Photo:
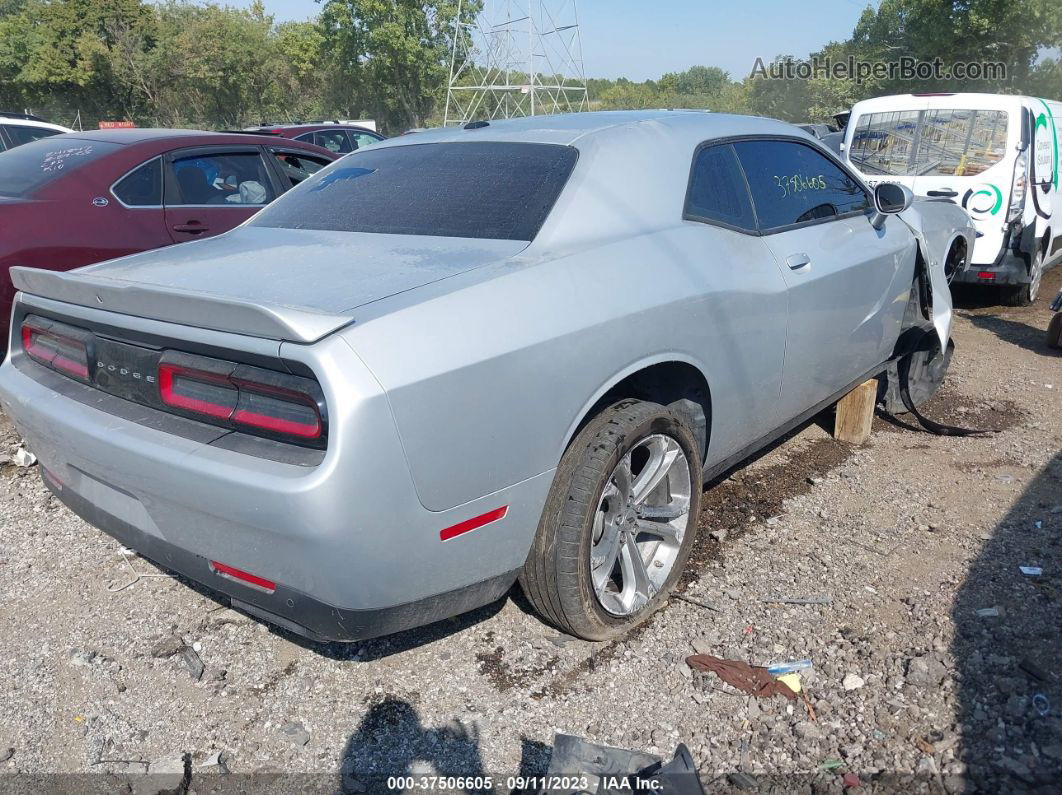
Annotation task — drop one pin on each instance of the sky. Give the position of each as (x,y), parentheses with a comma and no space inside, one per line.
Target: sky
(642,40)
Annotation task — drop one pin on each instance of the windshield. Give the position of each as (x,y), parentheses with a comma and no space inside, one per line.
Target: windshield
(918,143)
(27,168)
(484,189)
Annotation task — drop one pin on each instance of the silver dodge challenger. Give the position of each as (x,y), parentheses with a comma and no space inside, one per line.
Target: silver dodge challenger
(510,351)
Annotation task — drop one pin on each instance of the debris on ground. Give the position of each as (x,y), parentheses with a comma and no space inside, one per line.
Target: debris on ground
(776,669)
(193,662)
(295,733)
(751,679)
(24,458)
(852,682)
(903,617)
(800,600)
(618,771)
(167,647)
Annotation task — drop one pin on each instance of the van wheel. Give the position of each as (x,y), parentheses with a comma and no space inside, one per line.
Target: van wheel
(1025,294)
(618,524)
(1054,331)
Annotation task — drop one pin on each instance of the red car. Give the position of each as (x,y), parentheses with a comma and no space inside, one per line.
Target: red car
(333,136)
(74,199)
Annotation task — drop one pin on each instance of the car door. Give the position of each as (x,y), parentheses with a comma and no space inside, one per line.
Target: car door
(210,190)
(845,279)
(743,315)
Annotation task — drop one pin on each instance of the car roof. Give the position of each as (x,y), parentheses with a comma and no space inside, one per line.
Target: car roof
(146,136)
(600,126)
(15,121)
(314,126)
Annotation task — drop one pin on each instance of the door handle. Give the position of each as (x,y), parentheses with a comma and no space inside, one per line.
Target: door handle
(943,193)
(798,262)
(194,228)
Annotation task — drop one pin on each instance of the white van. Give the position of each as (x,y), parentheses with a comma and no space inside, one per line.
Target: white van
(996,155)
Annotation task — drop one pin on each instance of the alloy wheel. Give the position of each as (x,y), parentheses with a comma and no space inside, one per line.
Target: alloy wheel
(641,519)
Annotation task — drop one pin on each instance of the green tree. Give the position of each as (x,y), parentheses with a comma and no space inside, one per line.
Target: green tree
(389,58)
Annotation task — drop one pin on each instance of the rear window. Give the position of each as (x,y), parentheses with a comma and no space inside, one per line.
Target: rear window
(484,189)
(917,143)
(25,169)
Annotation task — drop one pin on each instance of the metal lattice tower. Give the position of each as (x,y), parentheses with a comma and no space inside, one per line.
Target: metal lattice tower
(517,58)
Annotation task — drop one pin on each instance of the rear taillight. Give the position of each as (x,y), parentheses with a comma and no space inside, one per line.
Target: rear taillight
(262,401)
(197,391)
(1019,187)
(55,345)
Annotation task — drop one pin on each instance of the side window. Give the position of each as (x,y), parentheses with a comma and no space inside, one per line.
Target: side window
(297,167)
(791,183)
(23,135)
(960,143)
(717,190)
(361,140)
(307,137)
(223,179)
(142,187)
(333,140)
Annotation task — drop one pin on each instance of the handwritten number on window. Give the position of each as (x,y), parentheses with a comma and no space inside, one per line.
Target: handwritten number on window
(798,183)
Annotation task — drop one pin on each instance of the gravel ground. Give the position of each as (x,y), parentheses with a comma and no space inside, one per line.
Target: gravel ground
(912,688)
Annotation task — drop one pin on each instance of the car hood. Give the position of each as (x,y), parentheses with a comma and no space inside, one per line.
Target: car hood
(291,284)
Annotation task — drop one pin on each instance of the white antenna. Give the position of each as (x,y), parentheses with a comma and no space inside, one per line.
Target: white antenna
(517,58)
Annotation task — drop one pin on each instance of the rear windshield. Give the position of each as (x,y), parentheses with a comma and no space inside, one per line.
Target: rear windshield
(27,168)
(484,189)
(919,143)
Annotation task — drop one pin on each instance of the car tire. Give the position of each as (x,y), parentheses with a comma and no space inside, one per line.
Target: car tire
(1054,331)
(599,520)
(1025,294)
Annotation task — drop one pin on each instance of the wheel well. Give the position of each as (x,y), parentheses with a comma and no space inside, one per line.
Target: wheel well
(678,385)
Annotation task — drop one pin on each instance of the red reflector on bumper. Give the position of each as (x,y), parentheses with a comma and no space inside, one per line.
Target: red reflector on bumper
(986,275)
(474,523)
(242,576)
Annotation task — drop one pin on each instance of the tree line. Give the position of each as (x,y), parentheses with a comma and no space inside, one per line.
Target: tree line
(182,64)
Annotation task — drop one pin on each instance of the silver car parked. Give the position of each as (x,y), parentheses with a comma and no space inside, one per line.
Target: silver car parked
(466,357)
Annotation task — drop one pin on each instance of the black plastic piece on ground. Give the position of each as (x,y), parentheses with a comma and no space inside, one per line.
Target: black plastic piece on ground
(604,770)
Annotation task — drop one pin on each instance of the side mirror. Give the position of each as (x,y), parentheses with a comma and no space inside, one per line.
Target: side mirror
(889,199)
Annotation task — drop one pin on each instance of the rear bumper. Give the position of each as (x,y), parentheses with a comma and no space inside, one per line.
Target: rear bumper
(351,547)
(287,607)
(1009,269)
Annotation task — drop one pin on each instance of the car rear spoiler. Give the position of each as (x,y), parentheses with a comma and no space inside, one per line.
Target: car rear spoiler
(201,310)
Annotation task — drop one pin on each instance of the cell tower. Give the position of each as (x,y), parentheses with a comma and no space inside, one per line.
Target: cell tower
(517,58)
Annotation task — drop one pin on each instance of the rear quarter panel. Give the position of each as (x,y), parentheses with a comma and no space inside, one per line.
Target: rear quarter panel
(487,383)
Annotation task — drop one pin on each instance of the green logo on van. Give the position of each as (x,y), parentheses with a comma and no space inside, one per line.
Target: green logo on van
(983,199)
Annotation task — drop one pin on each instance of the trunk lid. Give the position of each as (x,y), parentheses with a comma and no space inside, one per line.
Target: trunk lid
(290,284)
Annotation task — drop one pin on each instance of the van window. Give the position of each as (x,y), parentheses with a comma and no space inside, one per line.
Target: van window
(910,143)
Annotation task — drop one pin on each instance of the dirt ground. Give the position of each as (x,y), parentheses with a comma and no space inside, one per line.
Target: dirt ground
(935,662)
